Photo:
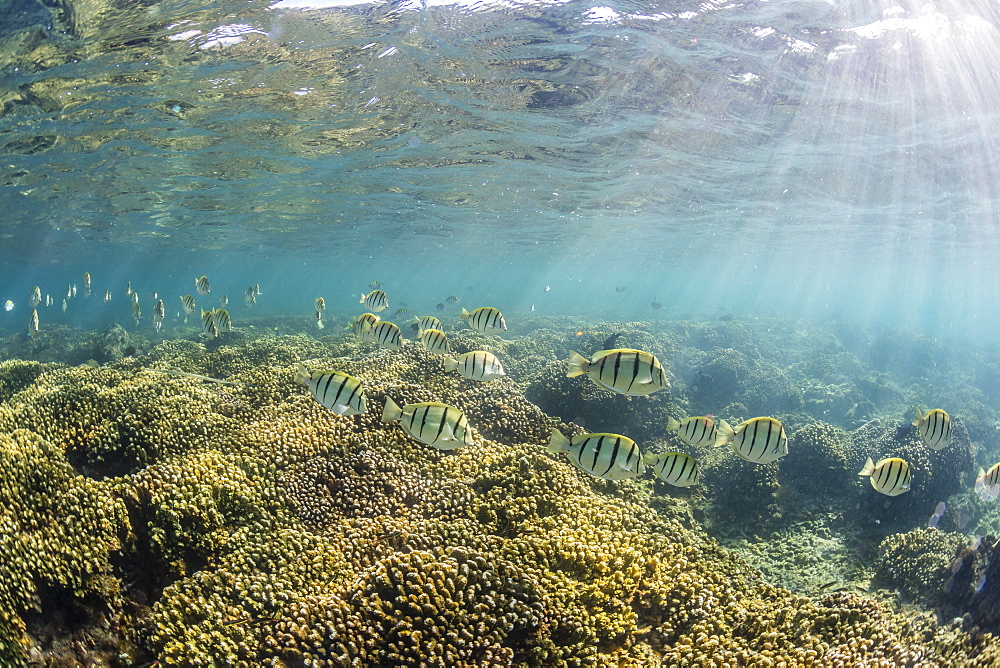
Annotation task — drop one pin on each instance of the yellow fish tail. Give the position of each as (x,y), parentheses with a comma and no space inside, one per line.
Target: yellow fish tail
(392,412)
(726,434)
(559,442)
(869,468)
(578,365)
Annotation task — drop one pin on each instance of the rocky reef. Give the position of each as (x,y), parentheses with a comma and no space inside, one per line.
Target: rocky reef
(154,517)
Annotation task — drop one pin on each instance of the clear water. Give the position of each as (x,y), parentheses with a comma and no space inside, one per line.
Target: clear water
(816,159)
(811,165)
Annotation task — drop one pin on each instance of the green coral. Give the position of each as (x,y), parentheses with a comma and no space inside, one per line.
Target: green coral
(819,468)
(60,532)
(917,563)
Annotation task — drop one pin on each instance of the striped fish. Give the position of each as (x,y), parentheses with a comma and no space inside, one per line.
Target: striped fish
(107,296)
(320,305)
(485,320)
(890,476)
(336,390)
(934,428)
(433,423)
(760,440)
(136,310)
(223,322)
(434,340)
(250,297)
(187,302)
(427,322)
(675,468)
(362,325)
(159,311)
(607,456)
(86,284)
(475,365)
(207,322)
(35,297)
(375,301)
(33,323)
(988,483)
(201,285)
(625,371)
(386,334)
(695,431)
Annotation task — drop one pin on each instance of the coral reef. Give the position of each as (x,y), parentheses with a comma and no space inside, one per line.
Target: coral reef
(185,522)
(582,402)
(820,467)
(957,575)
(937,474)
(917,563)
(733,376)
(60,532)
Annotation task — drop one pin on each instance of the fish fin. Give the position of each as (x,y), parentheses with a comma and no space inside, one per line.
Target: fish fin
(869,468)
(980,481)
(559,442)
(301,374)
(392,412)
(577,365)
(726,433)
(464,315)
(673,425)
(362,300)
(650,459)
(450,364)
(920,418)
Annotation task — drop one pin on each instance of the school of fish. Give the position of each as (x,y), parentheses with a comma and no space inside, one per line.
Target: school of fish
(633,373)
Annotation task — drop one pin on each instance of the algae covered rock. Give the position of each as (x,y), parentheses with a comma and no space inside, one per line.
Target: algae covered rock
(819,467)
(113,344)
(731,376)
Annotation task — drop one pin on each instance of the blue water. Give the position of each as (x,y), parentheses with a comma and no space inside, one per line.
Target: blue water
(815,159)
(793,203)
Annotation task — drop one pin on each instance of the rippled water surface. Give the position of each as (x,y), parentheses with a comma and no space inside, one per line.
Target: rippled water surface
(837,157)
